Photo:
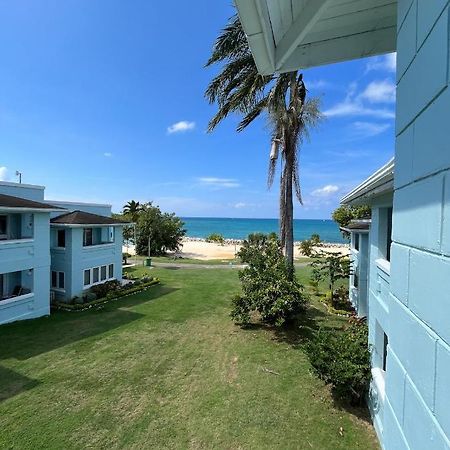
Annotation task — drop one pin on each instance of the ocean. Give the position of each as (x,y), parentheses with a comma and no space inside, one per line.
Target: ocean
(201,227)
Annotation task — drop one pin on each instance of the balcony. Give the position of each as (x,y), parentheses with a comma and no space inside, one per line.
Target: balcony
(16,287)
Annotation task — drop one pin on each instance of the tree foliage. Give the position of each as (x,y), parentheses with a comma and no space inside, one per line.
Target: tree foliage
(165,231)
(342,359)
(266,284)
(331,267)
(239,88)
(344,214)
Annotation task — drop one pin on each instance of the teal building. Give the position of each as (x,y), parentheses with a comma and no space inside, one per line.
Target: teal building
(52,250)
(409,240)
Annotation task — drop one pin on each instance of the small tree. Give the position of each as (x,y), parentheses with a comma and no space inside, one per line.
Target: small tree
(266,284)
(164,231)
(315,239)
(331,267)
(306,247)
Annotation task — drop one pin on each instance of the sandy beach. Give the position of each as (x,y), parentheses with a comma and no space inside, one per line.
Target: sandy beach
(200,249)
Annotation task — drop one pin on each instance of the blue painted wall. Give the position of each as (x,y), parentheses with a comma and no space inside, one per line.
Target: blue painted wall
(360,267)
(413,304)
(32,258)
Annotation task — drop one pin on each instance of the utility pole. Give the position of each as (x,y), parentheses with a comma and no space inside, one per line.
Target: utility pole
(19,174)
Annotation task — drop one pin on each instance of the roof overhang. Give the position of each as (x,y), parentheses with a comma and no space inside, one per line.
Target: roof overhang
(89,225)
(12,209)
(381,182)
(287,35)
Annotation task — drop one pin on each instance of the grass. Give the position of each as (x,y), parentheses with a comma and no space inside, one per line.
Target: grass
(167,368)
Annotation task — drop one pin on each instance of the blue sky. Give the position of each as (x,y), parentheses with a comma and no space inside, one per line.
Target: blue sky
(103,101)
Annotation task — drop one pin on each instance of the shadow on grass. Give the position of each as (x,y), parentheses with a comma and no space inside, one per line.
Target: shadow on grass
(14,383)
(297,334)
(26,339)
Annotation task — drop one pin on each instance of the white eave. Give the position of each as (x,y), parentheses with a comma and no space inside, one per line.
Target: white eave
(381,182)
(286,35)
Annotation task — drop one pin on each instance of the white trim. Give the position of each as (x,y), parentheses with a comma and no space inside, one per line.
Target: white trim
(62,202)
(35,210)
(380,182)
(378,376)
(29,186)
(9,301)
(384,265)
(100,281)
(16,241)
(89,225)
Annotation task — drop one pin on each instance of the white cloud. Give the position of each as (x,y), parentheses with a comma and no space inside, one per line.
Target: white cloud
(354,103)
(239,205)
(181,127)
(387,63)
(368,129)
(325,191)
(4,176)
(218,182)
(107,154)
(317,84)
(382,91)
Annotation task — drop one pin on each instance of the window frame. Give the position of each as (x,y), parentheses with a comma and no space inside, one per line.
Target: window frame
(58,280)
(4,235)
(60,232)
(88,241)
(91,270)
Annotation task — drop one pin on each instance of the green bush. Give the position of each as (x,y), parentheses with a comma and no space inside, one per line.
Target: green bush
(306,247)
(114,295)
(215,237)
(89,297)
(266,282)
(315,239)
(101,290)
(342,358)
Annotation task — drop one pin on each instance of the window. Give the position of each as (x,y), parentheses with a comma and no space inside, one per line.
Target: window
(356,279)
(54,279)
(87,277)
(356,241)
(389,234)
(385,347)
(3,227)
(61,280)
(97,275)
(87,237)
(62,238)
(58,280)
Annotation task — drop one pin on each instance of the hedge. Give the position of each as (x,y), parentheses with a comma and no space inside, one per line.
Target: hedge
(61,306)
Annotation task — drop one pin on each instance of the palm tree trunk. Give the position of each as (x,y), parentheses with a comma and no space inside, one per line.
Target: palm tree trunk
(287,211)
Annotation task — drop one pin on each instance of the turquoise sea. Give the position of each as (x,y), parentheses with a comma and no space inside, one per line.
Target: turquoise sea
(201,227)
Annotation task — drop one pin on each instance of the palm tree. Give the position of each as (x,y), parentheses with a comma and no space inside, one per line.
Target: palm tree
(132,209)
(239,88)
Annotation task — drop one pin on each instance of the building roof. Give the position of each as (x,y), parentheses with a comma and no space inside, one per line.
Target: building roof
(357,226)
(381,182)
(19,204)
(82,218)
(286,35)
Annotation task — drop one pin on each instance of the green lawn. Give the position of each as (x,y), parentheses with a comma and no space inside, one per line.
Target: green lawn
(167,369)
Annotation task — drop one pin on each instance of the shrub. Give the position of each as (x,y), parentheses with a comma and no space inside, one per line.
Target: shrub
(89,297)
(215,237)
(101,290)
(266,284)
(125,257)
(342,358)
(315,239)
